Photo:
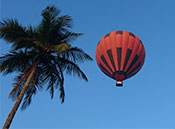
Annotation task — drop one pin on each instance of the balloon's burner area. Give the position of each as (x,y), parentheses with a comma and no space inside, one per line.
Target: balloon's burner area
(119,83)
(119,76)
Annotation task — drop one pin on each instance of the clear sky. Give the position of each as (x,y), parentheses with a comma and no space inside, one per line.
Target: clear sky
(146,100)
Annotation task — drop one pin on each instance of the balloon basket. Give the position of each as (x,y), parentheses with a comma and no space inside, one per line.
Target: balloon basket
(119,83)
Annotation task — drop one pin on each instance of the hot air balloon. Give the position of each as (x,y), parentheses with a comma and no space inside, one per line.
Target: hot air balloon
(120,55)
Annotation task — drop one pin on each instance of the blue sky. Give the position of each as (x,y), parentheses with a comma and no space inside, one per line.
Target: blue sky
(146,100)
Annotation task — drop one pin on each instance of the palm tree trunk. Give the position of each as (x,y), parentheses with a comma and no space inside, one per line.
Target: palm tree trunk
(18,85)
(19,99)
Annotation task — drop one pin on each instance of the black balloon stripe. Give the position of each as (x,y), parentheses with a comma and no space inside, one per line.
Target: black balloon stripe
(105,70)
(131,34)
(132,63)
(134,70)
(119,32)
(111,58)
(106,63)
(119,54)
(128,54)
(106,35)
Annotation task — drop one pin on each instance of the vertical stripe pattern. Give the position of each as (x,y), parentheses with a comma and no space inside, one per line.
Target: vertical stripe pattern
(122,55)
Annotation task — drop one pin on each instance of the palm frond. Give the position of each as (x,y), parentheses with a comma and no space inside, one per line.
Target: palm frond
(11,30)
(36,80)
(72,69)
(55,80)
(61,48)
(61,82)
(50,87)
(15,61)
(53,28)
(19,79)
(70,36)
(27,41)
(51,75)
(50,13)
(76,55)
(65,22)
(49,43)
(19,36)
(31,90)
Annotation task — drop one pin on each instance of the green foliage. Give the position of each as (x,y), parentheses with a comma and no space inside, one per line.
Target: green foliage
(48,44)
(61,48)
(15,61)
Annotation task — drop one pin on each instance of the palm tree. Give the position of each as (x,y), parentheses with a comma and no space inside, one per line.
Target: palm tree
(40,55)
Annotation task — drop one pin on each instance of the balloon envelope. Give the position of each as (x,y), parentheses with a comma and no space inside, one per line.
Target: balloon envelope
(120,55)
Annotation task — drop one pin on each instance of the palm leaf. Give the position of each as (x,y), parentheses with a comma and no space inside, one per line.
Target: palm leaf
(61,82)
(52,75)
(50,13)
(15,61)
(31,90)
(19,80)
(49,18)
(65,22)
(61,48)
(76,55)
(70,36)
(49,43)
(10,30)
(72,69)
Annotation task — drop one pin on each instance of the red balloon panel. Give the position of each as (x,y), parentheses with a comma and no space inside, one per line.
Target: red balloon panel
(120,54)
